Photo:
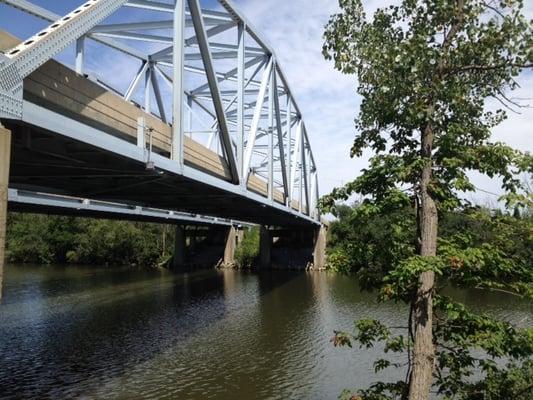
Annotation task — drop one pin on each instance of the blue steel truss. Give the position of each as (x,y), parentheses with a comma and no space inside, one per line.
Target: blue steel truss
(204,70)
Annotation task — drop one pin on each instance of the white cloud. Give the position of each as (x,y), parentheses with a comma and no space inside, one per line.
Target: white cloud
(327,98)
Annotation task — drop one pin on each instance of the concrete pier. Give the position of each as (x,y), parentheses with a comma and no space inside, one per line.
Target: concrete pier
(231,245)
(319,252)
(265,247)
(5,157)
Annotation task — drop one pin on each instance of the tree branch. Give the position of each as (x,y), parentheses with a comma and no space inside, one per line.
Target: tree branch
(488,67)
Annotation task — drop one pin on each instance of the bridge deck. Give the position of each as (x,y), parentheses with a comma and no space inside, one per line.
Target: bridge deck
(44,160)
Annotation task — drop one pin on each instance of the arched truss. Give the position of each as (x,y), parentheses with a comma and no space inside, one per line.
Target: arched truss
(204,71)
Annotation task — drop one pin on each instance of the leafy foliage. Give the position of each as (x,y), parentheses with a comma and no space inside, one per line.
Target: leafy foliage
(478,248)
(425,69)
(247,251)
(44,239)
(431,62)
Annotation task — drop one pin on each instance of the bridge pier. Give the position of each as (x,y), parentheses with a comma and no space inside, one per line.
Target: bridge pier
(203,247)
(231,245)
(265,247)
(180,248)
(319,251)
(5,157)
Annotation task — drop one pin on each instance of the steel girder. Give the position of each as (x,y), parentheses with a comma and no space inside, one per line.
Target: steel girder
(106,209)
(210,62)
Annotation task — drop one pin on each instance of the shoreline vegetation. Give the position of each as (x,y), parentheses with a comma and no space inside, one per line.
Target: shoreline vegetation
(67,240)
(360,240)
(354,240)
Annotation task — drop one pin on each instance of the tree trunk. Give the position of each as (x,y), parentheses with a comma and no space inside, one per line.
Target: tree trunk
(423,350)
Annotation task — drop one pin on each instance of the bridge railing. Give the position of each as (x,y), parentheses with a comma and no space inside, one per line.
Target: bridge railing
(204,72)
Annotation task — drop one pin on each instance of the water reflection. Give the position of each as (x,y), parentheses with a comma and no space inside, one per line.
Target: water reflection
(100,333)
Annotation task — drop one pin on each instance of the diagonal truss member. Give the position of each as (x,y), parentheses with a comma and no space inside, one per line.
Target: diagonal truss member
(254,125)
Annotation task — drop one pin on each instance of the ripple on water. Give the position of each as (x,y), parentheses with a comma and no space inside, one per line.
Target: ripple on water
(107,334)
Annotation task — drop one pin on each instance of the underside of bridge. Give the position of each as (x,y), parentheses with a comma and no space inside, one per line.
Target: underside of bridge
(45,162)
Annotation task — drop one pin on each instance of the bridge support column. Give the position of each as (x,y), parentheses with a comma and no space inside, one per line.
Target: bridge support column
(319,252)
(231,244)
(265,247)
(5,157)
(180,247)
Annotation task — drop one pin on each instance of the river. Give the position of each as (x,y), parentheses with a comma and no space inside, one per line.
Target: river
(118,333)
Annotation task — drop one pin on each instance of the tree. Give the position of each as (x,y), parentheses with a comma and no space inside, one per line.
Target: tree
(425,71)
(47,239)
(478,248)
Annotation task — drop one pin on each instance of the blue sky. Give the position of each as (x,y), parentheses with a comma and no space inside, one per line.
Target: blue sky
(327,98)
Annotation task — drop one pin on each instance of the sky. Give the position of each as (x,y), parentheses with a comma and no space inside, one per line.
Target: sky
(327,98)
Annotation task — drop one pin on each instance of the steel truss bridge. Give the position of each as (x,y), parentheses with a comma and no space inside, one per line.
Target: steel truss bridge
(170,105)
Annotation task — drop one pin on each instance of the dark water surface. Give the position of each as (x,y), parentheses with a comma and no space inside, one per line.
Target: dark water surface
(97,333)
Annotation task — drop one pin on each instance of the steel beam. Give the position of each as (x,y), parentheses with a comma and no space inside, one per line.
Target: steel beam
(255,121)
(201,36)
(241,69)
(157,94)
(48,203)
(270,155)
(25,58)
(80,54)
(231,74)
(289,147)
(178,54)
(210,32)
(151,5)
(304,172)
(129,26)
(297,159)
(147,93)
(281,146)
(136,80)
(134,36)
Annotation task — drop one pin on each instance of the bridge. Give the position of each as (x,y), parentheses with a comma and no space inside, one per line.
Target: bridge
(174,106)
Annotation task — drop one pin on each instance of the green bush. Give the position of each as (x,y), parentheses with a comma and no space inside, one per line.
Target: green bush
(247,251)
(44,239)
